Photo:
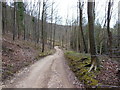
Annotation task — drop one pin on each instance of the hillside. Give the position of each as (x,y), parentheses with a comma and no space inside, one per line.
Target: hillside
(19,54)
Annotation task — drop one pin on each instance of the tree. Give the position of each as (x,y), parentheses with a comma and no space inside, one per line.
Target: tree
(20,17)
(66,31)
(1,23)
(24,22)
(77,32)
(54,32)
(108,28)
(51,29)
(38,34)
(14,17)
(80,24)
(42,30)
(119,25)
(57,19)
(91,35)
(119,34)
(3,17)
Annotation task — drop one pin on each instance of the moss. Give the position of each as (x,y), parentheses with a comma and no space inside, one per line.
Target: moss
(89,80)
(9,73)
(46,53)
(43,54)
(78,67)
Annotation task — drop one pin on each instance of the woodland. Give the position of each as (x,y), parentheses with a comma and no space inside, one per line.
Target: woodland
(31,30)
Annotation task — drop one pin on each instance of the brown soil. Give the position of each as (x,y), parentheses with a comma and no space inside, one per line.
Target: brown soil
(110,73)
(16,55)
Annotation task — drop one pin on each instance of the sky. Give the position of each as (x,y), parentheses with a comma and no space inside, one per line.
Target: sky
(69,7)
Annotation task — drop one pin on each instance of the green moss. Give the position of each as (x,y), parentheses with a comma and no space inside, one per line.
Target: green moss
(9,73)
(89,80)
(46,53)
(43,54)
(77,66)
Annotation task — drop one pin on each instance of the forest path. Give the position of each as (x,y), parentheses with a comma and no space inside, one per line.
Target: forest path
(49,72)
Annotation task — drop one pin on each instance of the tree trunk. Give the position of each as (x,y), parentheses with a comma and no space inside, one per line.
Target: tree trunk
(3,17)
(42,31)
(91,35)
(14,30)
(119,24)
(81,28)
(108,29)
(24,28)
(101,45)
(54,35)
(38,36)
(51,30)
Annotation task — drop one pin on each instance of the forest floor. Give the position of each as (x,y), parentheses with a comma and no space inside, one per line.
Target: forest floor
(106,76)
(110,71)
(19,54)
(49,72)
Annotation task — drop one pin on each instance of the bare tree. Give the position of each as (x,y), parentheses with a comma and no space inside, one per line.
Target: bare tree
(43,25)
(38,33)
(3,17)
(119,24)
(80,24)
(14,17)
(57,19)
(108,28)
(91,35)
(54,32)
(51,30)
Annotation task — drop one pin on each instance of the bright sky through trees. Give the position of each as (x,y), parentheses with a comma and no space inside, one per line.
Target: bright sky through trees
(69,7)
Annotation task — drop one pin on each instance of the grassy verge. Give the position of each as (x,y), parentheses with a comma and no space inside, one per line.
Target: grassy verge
(80,64)
(44,54)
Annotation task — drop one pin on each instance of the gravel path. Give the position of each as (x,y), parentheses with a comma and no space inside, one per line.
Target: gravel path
(49,72)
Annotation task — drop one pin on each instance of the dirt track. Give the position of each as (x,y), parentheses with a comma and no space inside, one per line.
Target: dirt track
(49,72)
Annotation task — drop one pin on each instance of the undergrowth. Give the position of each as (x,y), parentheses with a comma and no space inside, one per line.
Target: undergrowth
(80,64)
(46,53)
